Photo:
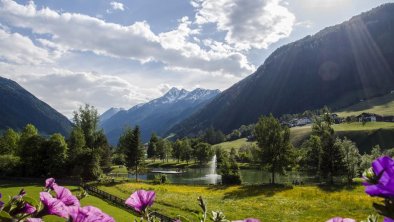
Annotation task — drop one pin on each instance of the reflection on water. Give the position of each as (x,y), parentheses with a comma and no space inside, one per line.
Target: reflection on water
(205,176)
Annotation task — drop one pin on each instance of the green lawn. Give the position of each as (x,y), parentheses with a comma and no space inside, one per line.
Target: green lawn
(8,188)
(380,105)
(300,203)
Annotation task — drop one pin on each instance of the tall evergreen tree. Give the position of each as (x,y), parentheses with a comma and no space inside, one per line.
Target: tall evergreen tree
(313,154)
(274,143)
(350,156)
(130,143)
(152,147)
(331,158)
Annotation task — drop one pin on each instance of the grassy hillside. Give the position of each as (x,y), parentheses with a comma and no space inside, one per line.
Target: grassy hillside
(234,144)
(301,203)
(380,105)
(10,188)
(365,136)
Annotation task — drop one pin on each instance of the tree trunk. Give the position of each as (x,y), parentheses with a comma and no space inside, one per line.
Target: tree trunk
(136,173)
(273,176)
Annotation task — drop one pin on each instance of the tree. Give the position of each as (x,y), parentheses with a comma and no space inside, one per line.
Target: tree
(167,149)
(186,151)
(177,149)
(229,170)
(102,146)
(160,150)
(32,156)
(9,142)
(28,131)
(351,157)
(152,147)
(274,143)
(313,154)
(87,139)
(56,155)
(331,159)
(87,120)
(76,149)
(212,136)
(203,152)
(130,143)
(376,152)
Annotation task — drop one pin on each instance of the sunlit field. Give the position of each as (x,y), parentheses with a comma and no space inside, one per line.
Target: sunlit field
(278,203)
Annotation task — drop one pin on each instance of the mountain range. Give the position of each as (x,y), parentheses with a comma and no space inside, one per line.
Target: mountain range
(337,67)
(19,107)
(158,115)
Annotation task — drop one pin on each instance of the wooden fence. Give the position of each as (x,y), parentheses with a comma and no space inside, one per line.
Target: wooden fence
(120,202)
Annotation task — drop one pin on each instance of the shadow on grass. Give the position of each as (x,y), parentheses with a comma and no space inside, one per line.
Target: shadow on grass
(337,187)
(10,184)
(267,190)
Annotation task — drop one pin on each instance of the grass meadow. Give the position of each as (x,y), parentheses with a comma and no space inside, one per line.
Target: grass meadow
(11,188)
(268,203)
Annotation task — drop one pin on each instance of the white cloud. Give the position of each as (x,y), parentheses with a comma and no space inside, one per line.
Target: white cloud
(66,90)
(19,49)
(248,24)
(117,6)
(79,32)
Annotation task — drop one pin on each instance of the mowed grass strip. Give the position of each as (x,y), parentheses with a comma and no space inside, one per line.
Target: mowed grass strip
(281,203)
(11,188)
(234,144)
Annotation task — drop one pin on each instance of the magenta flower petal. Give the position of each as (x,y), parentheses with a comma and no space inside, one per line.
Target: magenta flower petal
(53,206)
(340,219)
(34,220)
(88,214)
(383,168)
(65,196)
(49,183)
(141,199)
(1,203)
(248,220)
(386,219)
(28,209)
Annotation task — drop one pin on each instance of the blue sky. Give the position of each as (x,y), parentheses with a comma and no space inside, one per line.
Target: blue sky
(124,52)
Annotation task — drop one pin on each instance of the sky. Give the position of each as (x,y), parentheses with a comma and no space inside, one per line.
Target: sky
(125,52)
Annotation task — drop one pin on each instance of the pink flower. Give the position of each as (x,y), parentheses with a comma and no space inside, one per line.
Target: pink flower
(34,220)
(141,199)
(340,219)
(88,214)
(248,220)
(28,209)
(383,168)
(49,183)
(53,206)
(386,219)
(65,196)
(1,203)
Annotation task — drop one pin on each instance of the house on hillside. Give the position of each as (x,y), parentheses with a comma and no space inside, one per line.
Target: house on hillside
(369,117)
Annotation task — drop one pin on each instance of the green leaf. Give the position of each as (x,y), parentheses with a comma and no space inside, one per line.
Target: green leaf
(5,217)
(30,200)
